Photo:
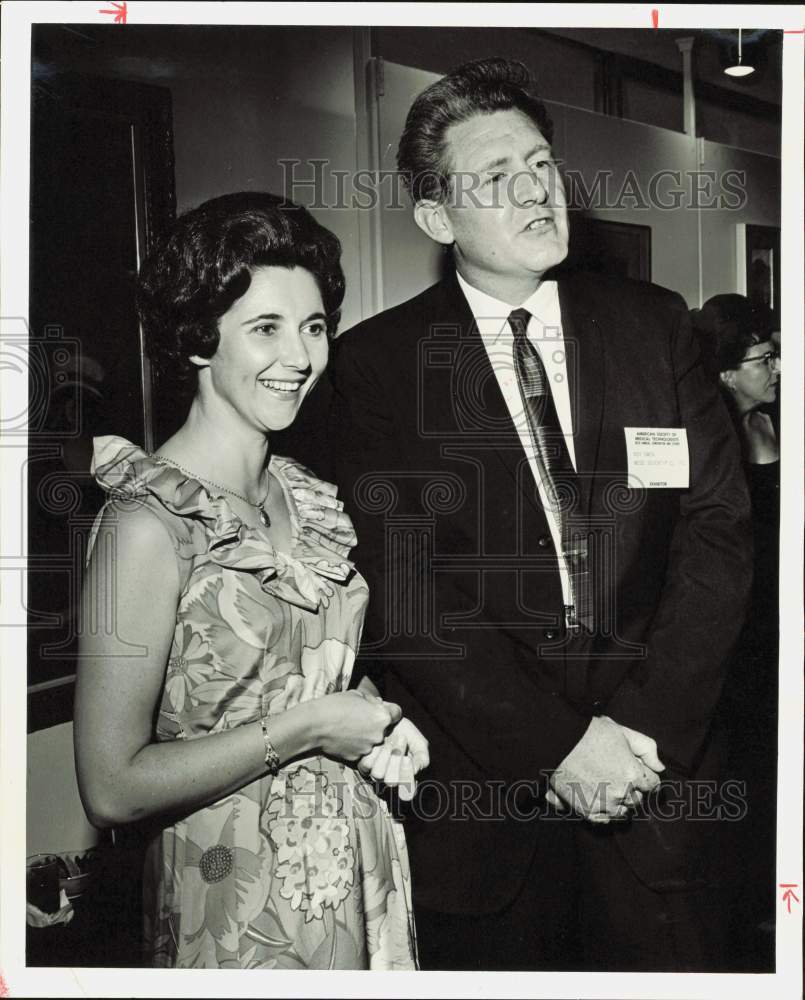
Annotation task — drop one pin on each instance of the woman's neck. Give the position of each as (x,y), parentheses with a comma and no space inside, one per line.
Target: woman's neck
(744,405)
(758,439)
(224,452)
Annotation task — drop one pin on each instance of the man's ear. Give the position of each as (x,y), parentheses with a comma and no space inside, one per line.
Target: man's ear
(433,220)
(728,379)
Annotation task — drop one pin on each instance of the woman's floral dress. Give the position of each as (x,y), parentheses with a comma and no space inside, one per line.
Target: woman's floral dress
(306,870)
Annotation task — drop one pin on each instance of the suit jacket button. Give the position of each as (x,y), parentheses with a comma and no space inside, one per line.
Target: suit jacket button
(550,634)
(543,541)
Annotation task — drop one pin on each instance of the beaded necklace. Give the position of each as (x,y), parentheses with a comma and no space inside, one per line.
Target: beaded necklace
(258,506)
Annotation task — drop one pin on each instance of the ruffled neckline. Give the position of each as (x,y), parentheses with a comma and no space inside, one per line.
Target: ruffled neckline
(322,533)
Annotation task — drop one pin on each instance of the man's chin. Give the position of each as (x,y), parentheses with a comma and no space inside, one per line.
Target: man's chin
(550,258)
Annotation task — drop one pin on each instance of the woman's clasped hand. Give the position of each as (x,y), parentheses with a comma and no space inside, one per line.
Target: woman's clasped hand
(353,723)
(388,748)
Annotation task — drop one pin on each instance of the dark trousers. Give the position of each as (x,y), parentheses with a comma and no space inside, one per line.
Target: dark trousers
(581,908)
(535,931)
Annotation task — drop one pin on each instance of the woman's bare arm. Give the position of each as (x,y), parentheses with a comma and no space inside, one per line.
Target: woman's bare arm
(123,775)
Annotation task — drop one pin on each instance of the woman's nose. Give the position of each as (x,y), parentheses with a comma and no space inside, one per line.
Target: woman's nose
(293,351)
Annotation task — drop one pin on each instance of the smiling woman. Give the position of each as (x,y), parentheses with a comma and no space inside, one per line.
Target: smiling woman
(217,701)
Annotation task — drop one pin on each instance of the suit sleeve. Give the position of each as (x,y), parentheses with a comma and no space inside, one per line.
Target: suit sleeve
(505,720)
(672,695)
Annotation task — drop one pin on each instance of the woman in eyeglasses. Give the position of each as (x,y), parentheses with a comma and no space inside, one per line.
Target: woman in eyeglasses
(740,347)
(737,337)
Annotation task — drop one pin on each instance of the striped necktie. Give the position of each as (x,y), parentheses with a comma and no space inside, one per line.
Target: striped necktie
(559,479)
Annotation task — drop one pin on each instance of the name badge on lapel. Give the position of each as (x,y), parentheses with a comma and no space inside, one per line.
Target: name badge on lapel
(658,457)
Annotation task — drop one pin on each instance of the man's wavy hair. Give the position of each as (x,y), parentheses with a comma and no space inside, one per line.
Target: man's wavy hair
(206,262)
(480,87)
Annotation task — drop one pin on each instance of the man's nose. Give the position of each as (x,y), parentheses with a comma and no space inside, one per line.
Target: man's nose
(530,189)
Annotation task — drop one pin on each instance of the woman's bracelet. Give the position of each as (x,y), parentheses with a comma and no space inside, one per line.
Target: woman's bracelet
(272,757)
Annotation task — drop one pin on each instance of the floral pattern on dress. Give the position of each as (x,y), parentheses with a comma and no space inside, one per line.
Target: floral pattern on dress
(307,869)
(387,930)
(312,840)
(190,665)
(226,879)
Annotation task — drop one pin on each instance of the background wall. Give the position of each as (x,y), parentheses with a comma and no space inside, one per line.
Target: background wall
(718,228)
(55,820)
(569,66)
(243,99)
(562,72)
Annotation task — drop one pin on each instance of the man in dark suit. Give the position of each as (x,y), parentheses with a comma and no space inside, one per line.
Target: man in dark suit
(553,522)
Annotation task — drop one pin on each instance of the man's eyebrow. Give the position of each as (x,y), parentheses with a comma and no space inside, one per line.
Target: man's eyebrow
(501,161)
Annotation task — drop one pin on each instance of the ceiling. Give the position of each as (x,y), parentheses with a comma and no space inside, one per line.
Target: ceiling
(149,51)
(710,51)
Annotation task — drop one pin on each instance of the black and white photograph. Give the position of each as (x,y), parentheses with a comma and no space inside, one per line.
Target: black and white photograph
(402,499)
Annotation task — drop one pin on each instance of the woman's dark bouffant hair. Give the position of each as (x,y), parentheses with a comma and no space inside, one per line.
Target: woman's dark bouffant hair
(205,263)
(727,326)
(479,87)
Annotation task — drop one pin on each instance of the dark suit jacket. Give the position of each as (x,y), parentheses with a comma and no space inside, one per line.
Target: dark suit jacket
(465,626)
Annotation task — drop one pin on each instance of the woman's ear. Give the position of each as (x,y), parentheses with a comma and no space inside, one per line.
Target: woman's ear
(433,220)
(198,361)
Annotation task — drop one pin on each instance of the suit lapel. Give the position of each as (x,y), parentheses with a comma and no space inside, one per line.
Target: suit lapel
(586,372)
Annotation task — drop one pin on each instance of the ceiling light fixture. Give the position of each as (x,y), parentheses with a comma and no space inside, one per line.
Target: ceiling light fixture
(740,68)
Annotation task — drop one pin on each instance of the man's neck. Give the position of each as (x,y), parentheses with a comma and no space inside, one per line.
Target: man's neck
(510,289)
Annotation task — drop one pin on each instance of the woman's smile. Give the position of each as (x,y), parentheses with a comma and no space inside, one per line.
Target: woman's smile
(283,388)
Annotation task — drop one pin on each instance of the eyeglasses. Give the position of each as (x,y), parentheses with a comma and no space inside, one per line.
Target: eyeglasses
(768,358)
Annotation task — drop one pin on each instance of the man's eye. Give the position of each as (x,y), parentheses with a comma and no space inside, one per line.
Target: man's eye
(542,164)
(316,329)
(495,178)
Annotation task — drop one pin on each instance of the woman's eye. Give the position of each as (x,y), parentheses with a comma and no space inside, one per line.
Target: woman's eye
(265,329)
(316,330)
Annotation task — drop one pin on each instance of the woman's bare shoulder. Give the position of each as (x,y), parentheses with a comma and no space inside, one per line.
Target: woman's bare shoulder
(136,537)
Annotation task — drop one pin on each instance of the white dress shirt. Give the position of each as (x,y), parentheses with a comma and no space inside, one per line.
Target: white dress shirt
(545,333)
